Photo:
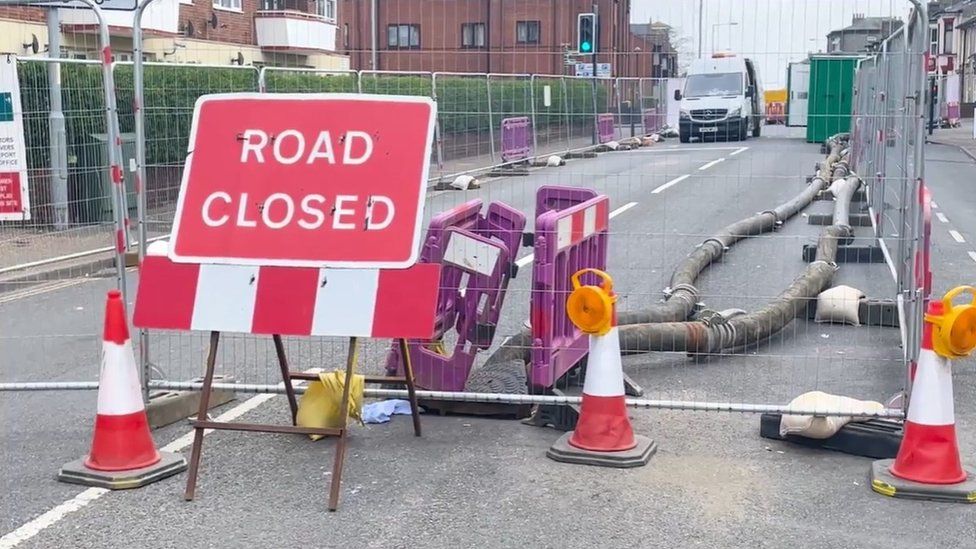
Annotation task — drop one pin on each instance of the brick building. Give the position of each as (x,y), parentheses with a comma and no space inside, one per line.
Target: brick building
(259,32)
(498,36)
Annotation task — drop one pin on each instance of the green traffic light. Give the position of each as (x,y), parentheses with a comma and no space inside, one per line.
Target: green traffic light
(585,46)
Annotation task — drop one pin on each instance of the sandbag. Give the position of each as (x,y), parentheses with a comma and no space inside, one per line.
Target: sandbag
(839,304)
(321,405)
(821,427)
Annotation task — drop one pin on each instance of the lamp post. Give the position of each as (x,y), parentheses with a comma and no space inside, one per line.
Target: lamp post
(717,25)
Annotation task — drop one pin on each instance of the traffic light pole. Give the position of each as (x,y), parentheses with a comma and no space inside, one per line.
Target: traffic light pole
(596,48)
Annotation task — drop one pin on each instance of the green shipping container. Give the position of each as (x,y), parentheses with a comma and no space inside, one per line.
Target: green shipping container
(831,96)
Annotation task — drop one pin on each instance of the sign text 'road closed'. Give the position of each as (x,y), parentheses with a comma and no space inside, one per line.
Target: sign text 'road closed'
(304,180)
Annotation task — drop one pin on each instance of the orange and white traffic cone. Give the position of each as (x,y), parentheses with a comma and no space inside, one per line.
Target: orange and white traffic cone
(123,454)
(928,465)
(603,434)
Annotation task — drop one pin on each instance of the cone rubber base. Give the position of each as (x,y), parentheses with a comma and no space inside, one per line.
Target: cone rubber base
(638,456)
(76,473)
(884,483)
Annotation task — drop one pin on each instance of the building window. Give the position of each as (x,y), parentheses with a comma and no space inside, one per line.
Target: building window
(326,9)
(934,40)
(473,35)
(527,32)
(403,36)
(233,5)
(947,38)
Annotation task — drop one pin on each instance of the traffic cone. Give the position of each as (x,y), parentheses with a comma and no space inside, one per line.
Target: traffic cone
(123,454)
(928,465)
(603,434)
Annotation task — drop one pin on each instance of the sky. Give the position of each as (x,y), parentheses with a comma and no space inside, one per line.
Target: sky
(771,32)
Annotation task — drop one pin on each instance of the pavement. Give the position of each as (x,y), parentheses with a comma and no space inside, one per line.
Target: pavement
(961,137)
(472,481)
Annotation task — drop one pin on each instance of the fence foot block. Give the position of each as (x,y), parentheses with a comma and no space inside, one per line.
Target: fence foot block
(848,254)
(580,154)
(875,438)
(168,407)
(563,451)
(884,483)
(878,312)
(509,171)
(76,473)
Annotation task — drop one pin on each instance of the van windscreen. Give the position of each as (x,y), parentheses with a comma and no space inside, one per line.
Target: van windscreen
(705,85)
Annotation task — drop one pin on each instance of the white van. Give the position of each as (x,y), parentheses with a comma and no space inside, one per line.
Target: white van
(722,98)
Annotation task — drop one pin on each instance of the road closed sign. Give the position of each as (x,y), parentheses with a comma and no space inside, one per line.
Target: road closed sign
(311,180)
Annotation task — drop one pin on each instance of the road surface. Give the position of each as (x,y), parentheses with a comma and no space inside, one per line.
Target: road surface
(470,481)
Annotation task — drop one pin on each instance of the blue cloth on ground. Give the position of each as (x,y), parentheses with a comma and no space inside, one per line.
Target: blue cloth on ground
(380,412)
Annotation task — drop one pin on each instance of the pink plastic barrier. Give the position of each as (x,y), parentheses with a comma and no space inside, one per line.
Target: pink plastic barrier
(604,127)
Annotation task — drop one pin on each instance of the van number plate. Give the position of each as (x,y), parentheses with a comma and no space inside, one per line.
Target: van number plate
(707,130)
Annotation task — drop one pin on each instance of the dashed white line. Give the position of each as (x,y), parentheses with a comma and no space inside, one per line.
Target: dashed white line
(942,217)
(710,164)
(956,236)
(739,150)
(50,517)
(671,183)
(934,205)
(522,262)
(972,255)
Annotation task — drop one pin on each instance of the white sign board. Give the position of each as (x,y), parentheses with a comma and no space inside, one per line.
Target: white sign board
(603,70)
(117,5)
(14,196)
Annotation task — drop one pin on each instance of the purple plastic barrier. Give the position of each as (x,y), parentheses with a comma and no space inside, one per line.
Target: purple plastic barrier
(482,250)
(566,241)
(653,120)
(604,127)
(551,197)
(516,138)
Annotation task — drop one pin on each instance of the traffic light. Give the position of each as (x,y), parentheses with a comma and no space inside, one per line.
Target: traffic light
(586,33)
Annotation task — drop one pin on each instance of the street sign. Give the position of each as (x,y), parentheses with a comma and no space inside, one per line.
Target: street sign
(14,191)
(304,180)
(603,70)
(114,5)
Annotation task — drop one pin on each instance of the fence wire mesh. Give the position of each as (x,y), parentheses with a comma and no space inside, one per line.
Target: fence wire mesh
(667,199)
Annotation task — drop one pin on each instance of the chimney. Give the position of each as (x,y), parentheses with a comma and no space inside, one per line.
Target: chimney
(858,17)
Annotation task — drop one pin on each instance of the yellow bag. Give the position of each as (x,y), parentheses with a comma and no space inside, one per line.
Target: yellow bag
(321,404)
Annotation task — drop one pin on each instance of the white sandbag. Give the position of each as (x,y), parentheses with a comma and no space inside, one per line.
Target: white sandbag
(465,182)
(554,161)
(612,145)
(840,305)
(159,247)
(821,427)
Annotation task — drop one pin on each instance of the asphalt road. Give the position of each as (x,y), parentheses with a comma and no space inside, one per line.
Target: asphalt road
(469,481)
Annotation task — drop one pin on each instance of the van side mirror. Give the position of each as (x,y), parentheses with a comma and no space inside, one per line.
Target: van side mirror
(677,95)
(750,91)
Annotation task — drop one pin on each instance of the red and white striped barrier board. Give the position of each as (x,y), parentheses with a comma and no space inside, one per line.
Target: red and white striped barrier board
(572,229)
(300,301)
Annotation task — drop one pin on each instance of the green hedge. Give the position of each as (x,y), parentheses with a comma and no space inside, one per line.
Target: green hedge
(171,92)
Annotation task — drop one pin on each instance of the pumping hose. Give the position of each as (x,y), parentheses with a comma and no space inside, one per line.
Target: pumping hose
(661,326)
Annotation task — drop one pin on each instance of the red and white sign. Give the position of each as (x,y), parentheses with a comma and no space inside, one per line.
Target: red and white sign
(383,303)
(309,180)
(14,193)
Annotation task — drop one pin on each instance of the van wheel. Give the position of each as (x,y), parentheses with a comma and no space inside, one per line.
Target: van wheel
(684,137)
(744,131)
(757,129)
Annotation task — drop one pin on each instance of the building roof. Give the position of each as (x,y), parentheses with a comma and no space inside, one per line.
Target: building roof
(871,24)
(647,29)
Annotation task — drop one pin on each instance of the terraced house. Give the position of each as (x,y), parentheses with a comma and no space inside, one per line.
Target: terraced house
(300,33)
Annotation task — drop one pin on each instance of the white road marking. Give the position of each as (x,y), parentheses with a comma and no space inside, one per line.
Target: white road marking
(972,255)
(47,519)
(934,205)
(670,184)
(683,149)
(942,217)
(710,164)
(522,262)
(956,236)
(739,150)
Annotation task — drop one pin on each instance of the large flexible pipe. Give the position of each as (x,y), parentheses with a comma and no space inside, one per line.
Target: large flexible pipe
(755,327)
(683,295)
